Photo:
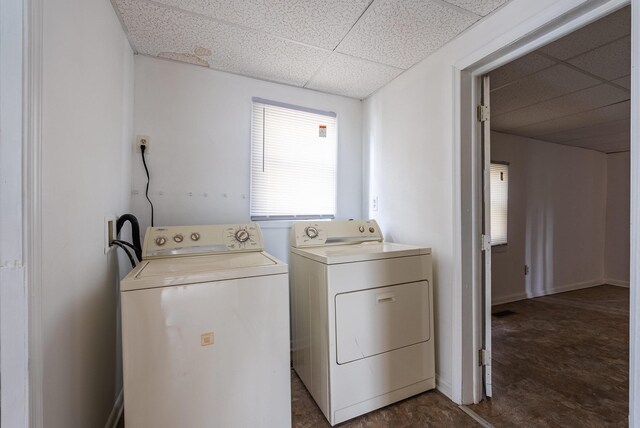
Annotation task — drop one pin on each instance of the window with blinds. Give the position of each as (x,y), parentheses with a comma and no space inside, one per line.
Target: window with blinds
(293,162)
(499,173)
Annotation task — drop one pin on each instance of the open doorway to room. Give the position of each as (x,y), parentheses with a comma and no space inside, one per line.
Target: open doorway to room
(559,208)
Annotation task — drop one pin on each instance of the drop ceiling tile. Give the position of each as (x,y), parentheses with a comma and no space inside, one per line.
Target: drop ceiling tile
(596,34)
(518,69)
(625,82)
(609,143)
(479,7)
(544,85)
(402,32)
(159,31)
(610,61)
(588,99)
(591,131)
(600,115)
(318,23)
(352,77)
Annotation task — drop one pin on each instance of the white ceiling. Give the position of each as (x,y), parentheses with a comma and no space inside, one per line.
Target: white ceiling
(574,91)
(344,47)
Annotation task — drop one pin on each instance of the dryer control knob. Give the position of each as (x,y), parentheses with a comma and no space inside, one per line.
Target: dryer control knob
(242,235)
(311,232)
(195,236)
(361,229)
(178,238)
(161,240)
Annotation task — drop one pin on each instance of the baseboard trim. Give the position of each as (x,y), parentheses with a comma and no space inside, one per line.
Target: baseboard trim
(617,282)
(444,387)
(508,298)
(116,412)
(556,290)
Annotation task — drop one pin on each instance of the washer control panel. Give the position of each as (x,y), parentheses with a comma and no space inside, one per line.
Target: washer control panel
(336,232)
(179,241)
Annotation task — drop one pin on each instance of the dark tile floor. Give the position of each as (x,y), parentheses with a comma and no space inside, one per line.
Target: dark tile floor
(561,361)
(430,409)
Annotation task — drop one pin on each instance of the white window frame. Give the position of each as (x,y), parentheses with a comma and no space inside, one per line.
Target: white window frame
(495,241)
(261,216)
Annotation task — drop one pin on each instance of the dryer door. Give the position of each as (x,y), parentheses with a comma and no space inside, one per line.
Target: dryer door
(370,322)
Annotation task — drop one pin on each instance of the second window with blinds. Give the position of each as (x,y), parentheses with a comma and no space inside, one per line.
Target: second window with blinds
(293,162)
(499,174)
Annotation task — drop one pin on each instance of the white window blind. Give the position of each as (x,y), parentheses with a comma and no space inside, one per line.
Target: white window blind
(499,202)
(293,162)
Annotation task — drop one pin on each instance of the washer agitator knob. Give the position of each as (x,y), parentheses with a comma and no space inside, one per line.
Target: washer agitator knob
(161,240)
(195,236)
(242,235)
(178,238)
(311,232)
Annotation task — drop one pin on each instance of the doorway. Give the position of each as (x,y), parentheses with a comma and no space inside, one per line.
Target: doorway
(471,186)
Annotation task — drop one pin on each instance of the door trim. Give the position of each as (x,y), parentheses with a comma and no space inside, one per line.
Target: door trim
(555,22)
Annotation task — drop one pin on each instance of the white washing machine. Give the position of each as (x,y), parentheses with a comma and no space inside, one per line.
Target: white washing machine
(205,331)
(362,317)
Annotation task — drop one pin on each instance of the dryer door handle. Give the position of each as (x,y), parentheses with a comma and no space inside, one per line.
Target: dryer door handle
(386,298)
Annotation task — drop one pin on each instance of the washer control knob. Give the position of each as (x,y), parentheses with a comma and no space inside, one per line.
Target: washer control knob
(242,235)
(160,241)
(311,232)
(178,238)
(361,229)
(195,236)
(371,229)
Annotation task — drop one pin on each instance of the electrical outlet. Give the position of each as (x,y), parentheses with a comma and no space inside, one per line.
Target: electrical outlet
(374,204)
(142,140)
(109,232)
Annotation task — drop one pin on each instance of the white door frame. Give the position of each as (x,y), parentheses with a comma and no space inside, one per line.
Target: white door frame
(20,213)
(563,18)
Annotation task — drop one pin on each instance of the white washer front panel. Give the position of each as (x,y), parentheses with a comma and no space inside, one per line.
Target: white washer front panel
(208,355)
(370,322)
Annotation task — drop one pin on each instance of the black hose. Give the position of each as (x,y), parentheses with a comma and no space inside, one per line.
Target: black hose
(135,232)
(128,244)
(124,247)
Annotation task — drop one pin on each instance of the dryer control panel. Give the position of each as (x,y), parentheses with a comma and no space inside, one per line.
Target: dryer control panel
(336,232)
(180,241)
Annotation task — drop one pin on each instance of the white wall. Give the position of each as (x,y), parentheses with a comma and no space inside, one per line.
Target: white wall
(409,135)
(556,226)
(198,121)
(618,222)
(87,118)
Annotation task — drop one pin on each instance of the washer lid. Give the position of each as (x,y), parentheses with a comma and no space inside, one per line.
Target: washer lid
(334,254)
(190,270)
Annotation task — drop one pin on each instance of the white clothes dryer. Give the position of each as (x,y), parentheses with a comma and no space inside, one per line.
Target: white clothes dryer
(205,331)
(362,317)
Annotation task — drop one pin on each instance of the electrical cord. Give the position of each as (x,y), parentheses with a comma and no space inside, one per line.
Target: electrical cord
(144,162)
(124,248)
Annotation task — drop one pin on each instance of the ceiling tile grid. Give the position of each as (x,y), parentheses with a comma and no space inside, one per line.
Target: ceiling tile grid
(610,61)
(157,31)
(402,32)
(353,77)
(581,99)
(291,41)
(319,23)
(599,33)
(600,115)
(523,67)
(576,102)
(549,83)
(479,7)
